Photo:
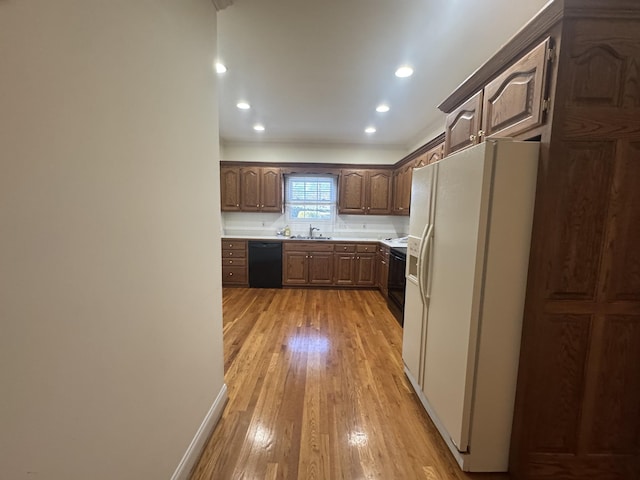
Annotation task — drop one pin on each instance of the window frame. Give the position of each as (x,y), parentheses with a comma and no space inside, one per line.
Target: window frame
(332,202)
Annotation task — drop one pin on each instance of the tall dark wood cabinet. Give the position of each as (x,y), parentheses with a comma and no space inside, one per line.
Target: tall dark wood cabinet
(577,411)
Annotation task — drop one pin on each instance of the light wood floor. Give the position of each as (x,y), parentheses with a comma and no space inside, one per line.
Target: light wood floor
(317,391)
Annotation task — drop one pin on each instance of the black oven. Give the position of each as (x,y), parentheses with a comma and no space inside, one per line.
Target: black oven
(397,281)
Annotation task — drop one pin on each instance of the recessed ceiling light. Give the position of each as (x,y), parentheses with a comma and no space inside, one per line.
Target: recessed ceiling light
(370,130)
(243,106)
(382,108)
(404,71)
(258,128)
(220,68)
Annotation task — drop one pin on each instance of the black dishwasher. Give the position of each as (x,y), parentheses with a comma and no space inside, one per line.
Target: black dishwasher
(265,264)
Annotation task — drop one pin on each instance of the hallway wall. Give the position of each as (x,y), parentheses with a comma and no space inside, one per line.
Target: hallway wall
(110,282)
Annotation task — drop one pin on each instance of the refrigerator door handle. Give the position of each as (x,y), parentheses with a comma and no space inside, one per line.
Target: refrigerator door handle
(423,264)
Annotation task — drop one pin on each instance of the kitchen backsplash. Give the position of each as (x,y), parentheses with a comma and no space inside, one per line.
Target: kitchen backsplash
(349,226)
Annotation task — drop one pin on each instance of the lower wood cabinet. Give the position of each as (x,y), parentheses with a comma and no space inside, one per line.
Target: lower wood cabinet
(315,263)
(344,263)
(382,259)
(234,263)
(355,265)
(307,263)
(329,264)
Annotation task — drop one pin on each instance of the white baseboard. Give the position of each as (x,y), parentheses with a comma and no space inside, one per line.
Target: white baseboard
(192,454)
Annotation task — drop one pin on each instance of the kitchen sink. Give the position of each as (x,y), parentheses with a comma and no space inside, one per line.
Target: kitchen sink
(302,237)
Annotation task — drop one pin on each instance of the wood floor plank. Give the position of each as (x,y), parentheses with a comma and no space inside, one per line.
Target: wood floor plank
(317,391)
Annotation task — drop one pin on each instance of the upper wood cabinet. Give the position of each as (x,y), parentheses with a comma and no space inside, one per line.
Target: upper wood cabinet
(261,189)
(250,189)
(462,126)
(434,154)
(402,189)
(513,103)
(230,189)
(365,192)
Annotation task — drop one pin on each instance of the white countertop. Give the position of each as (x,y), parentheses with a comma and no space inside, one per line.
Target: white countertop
(390,243)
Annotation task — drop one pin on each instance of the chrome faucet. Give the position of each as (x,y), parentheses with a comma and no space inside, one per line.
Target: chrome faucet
(312,229)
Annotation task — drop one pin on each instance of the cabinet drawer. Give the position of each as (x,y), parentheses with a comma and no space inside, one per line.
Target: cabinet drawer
(319,246)
(234,274)
(366,248)
(234,244)
(234,261)
(345,247)
(234,253)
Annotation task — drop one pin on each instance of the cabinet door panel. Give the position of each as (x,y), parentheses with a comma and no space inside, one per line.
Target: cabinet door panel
(513,101)
(320,268)
(295,268)
(379,194)
(352,192)
(230,189)
(270,190)
(250,188)
(365,270)
(344,268)
(435,154)
(463,124)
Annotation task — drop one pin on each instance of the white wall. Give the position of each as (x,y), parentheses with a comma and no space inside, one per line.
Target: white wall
(110,296)
(292,153)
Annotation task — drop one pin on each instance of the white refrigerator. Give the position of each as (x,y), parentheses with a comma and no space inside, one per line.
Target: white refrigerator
(467,261)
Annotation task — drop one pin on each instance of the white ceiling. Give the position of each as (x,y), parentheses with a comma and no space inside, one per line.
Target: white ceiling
(314,71)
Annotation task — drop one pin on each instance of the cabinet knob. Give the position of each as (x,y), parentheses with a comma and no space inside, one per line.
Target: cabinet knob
(345,248)
(481,134)
(230,253)
(230,262)
(261,206)
(231,274)
(363,208)
(257,206)
(237,204)
(472,138)
(310,256)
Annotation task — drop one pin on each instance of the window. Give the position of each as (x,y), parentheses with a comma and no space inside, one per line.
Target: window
(311,198)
